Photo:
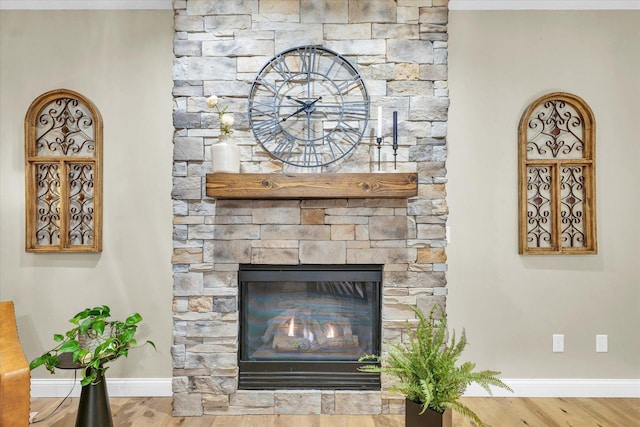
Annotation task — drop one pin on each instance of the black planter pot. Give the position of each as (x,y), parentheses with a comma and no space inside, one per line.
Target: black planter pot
(430,418)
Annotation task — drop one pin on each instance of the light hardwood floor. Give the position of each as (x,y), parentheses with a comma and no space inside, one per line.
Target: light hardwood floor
(495,412)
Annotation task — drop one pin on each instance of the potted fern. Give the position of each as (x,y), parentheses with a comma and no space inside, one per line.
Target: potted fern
(428,374)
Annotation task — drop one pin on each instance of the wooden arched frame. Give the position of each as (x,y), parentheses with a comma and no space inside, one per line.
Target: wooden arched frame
(557,170)
(63,174)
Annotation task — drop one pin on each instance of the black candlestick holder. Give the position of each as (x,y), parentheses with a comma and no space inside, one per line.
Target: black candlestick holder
(395,138)
(395,154)
(379,140)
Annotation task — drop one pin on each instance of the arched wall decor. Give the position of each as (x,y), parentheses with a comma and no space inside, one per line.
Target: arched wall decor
(557,203)
(63,174)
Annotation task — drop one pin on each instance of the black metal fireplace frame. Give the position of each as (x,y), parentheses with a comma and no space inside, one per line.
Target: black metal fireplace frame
(334,375)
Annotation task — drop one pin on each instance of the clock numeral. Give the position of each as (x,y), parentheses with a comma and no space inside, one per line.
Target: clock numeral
(284,145)
(308,57)
(310,154)
(349,84)
(349,132)
(261,108)
(281,67)
(333,63)
(267,130)
(356,109)
(334,147)
(267,126)
(264,84)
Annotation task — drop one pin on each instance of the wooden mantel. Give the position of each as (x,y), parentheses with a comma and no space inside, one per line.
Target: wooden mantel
(311,186)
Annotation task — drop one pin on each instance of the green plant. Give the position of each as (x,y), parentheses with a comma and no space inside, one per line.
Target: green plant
(108,340)
(426,369)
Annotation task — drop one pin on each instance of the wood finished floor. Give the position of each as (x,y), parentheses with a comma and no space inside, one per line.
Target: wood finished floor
(495,412)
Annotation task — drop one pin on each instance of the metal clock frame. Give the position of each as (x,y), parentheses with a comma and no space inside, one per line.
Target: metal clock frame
(308,106)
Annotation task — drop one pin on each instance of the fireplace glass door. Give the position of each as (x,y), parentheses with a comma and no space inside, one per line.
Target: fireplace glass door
(306,326)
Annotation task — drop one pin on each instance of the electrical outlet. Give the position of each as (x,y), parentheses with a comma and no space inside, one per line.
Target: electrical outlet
(602,343)
(447,233)
(558,343)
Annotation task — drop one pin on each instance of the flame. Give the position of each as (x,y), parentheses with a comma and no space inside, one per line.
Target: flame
(292,327)
(308,334)
(331,333)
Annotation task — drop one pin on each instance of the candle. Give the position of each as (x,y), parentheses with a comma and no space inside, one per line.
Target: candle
(379,132)
(395,130)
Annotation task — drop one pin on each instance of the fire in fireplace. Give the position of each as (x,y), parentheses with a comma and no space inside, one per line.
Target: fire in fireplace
(306,326)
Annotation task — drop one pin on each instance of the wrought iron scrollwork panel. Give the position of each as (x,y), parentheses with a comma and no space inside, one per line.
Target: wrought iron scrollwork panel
(556,152)
(63,153)
(572,196)
(65,127)
(539,210)
(81,204)
(48,207)
(555,130)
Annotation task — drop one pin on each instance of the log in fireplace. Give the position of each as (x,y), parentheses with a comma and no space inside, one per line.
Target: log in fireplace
(306,326)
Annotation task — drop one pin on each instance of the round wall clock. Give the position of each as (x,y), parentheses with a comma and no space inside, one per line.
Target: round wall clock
(308,106)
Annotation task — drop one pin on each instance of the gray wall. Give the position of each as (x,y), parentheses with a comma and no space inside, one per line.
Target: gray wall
(122,62)
(500,62)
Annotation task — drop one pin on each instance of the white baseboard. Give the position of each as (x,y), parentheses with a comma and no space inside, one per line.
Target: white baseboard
(116,387)
(550,387)
(562,387)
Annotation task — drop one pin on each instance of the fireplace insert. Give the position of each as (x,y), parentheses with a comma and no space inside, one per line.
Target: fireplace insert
(306,326)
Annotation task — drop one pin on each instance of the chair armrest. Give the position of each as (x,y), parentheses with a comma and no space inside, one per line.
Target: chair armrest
(15,377)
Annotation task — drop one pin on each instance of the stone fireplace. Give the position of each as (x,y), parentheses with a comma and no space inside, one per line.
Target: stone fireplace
(400,47)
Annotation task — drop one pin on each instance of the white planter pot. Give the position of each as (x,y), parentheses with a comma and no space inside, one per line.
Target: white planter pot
(90,343)
(225,155)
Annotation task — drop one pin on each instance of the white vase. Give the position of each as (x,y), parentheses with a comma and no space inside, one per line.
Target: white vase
(225,155)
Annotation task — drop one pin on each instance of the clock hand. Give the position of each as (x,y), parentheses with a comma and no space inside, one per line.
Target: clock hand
(306,107)
(311,103)
(296,100)
(284,119)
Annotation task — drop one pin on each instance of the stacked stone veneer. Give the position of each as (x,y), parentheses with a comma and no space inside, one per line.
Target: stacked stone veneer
(400,47)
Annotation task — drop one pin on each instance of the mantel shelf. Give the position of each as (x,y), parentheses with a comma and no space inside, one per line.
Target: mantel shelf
(312,186)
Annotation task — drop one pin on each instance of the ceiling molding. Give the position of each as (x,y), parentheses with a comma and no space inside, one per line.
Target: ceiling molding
(453,4)
(84,4)
(544,4)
